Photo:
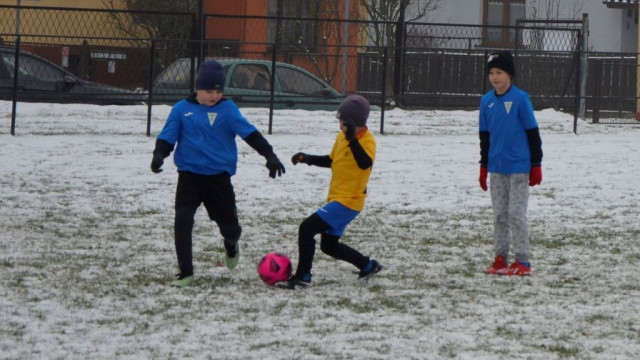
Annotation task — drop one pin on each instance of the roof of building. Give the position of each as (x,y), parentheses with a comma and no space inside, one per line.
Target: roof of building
(621,4)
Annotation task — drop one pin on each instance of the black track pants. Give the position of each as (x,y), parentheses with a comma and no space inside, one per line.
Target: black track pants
(216,192)
(329,244)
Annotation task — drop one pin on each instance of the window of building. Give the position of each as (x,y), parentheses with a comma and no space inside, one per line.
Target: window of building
(288,28)
(497,16)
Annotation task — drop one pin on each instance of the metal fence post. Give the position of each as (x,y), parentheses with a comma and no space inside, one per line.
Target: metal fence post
(384,89)
(584,65)
(16,66)
(14,100)
(150,86)
(398,66)
(484,72)
(637,114)
(577,101)
(596,94)
(202,21)
(273,82)
(345,49)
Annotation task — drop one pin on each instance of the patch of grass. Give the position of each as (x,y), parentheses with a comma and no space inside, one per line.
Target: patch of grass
(448,349)
(14,329)
(354,306)
(510,332)
(265,345)
(549,193)
(615,251)
(634,286)
(564,351)
(560,283)
(391,303)
(278,307)
(596,318)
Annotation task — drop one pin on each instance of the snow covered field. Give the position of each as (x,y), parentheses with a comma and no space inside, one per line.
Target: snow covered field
(86,246)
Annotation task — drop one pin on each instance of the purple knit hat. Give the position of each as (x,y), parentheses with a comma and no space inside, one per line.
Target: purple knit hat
(354,110)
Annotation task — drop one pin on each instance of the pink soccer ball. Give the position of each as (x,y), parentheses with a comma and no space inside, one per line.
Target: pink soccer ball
(274,267)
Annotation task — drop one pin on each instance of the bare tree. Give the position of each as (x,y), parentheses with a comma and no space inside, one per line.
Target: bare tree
(387,18)
(154,25)
(325,31)
(552,9)
(386,13)
(149,19)
(549,10)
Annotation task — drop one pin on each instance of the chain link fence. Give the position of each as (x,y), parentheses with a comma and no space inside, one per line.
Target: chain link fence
(133,57)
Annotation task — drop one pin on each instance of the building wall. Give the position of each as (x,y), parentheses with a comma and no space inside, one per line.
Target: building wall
(608,29)
(458,12)
(629,30)
(77,4)
(79,41)
(604,26)
(59,23)
(251,35)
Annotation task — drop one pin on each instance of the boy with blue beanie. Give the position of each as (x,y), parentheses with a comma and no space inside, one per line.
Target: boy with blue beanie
(511,151)
(204,127)
(351,161)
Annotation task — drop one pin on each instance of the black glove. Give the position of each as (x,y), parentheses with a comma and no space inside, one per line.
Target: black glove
(301,158)
(350,134)
(275,166)
(156,164)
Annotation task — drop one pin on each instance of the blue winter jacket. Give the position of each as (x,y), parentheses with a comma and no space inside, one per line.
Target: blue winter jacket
(511,141)
(205,136)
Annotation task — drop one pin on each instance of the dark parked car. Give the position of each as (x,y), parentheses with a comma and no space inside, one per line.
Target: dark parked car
(40,80)
(249,85)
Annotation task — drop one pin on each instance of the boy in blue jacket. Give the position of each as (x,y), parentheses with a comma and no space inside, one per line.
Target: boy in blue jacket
(204,126)
(511,150)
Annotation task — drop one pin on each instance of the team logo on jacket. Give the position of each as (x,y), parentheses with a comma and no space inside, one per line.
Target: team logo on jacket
(507,105)
(212,117)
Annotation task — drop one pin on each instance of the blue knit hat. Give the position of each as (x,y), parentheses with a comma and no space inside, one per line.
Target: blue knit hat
(354,110)
(210,76)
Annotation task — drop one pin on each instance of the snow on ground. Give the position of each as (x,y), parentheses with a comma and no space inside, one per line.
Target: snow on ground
(87,245)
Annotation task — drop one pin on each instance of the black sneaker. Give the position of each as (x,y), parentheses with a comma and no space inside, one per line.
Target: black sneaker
(372,268)
(294,282)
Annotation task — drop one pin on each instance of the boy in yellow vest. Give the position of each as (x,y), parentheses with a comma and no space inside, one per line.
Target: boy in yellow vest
(350,161)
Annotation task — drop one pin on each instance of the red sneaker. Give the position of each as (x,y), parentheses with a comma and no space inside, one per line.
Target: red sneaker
(498,264)
(515,269)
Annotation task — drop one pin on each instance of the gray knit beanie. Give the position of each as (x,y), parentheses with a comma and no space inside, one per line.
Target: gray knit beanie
(354,110)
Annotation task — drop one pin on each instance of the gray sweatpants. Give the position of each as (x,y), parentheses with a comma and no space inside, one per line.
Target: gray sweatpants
(509,197)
